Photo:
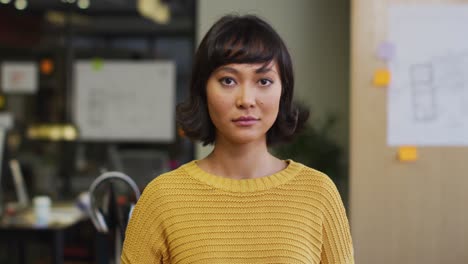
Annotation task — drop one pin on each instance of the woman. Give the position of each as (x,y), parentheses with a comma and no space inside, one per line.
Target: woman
(240,204)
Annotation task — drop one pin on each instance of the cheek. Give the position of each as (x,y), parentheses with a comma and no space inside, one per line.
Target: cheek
(217,106)
(271,103)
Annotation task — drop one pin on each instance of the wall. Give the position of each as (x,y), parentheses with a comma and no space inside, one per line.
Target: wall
(317,35)
(400,212)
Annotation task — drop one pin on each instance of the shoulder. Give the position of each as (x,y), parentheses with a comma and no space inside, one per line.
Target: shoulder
(162,186)
(314,177)
(319,184)
(323,190)
(168,180)
(169,176)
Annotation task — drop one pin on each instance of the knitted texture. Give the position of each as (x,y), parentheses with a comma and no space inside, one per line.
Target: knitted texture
(190,216)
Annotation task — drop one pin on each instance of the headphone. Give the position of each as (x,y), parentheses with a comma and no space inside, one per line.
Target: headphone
(96,217)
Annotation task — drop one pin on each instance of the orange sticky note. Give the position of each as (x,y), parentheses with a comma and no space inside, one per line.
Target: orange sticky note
(382,78)
(407,153)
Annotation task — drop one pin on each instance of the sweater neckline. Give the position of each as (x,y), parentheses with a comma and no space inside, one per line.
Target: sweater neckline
(243,185)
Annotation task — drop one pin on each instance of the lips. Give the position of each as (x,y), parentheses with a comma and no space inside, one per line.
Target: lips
(245,120)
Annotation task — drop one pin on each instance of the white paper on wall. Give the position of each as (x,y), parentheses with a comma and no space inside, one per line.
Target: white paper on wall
(19,77)
(428,95)
(125,101)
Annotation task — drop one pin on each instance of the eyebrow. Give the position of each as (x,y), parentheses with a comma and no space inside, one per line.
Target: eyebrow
(264,70)
(259,70)
(227,69)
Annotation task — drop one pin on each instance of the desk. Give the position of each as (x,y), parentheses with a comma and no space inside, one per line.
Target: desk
(21,229)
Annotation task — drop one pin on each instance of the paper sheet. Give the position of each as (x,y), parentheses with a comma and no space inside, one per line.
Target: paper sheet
(19,77)
(428,95)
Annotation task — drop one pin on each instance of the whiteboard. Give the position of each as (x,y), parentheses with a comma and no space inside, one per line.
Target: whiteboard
(428,95)
(125,101)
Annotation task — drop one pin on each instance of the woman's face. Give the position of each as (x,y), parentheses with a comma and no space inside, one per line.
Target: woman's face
(243,101)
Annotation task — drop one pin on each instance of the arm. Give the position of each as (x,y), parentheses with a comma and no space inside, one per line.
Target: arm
(143,237)
(337,245)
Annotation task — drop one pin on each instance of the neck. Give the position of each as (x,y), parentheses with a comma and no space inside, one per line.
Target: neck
(241,161)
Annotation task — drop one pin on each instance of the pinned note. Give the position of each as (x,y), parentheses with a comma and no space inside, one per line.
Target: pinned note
(407,153)
(46,66)
(19,77)
(386,51)
(381,78)
(97,64)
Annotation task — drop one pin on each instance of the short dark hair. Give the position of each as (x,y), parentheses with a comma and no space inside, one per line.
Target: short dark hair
(239,39)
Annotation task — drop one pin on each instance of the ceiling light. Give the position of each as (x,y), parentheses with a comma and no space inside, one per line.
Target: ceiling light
(21,4)
(5,1)
(83,4)
(154,10)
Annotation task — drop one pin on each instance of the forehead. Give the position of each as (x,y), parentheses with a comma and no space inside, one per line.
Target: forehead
(271,67)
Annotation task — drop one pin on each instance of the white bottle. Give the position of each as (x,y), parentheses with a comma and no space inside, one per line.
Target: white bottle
(42,206)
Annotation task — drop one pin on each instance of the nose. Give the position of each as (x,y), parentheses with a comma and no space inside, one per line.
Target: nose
(245,97)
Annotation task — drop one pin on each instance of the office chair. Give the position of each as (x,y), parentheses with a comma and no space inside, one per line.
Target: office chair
(98,218)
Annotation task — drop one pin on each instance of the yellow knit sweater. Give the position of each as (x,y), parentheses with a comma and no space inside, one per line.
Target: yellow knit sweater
(191,216)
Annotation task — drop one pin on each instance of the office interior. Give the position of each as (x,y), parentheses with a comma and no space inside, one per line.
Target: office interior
(399,211)
(44,138)
(56,157)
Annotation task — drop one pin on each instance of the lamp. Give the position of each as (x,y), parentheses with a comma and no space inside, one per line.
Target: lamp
(154,10)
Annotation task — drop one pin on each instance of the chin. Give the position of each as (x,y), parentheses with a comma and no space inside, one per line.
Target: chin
(245,139)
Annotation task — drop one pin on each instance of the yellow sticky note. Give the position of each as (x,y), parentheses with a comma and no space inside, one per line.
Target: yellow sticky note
(407,153)
(97,64)
(382,78)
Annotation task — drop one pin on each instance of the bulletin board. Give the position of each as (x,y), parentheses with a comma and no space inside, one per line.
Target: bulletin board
(405,211)
(125,101)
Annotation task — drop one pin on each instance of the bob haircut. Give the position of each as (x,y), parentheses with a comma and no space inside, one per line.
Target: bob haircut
(239,39)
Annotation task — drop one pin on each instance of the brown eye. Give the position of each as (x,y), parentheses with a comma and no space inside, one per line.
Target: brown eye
(265,82)
(227,81)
